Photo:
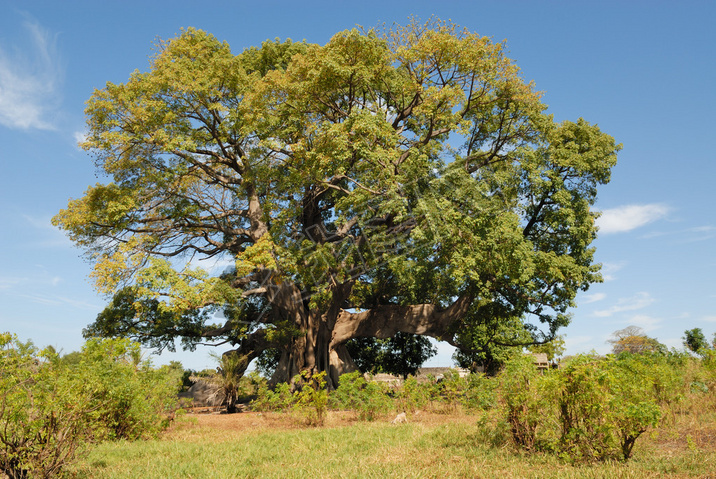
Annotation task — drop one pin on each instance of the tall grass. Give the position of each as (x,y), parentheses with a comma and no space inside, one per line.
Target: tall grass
(430,445)
(459,427)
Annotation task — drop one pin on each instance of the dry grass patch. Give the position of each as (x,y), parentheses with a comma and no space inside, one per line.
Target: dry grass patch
(429,445)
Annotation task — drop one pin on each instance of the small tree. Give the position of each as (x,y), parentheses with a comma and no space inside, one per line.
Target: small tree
(633,340)
(526,405)
(131,398)
(50,406)
(696,342)
(228,378)
(311,397)
(605,406)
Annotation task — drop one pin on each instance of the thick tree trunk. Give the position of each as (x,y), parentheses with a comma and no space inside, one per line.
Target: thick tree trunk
(313,350)
(321,347)
(319,356)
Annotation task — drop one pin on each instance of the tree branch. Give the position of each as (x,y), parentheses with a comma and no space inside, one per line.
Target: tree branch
(386,320)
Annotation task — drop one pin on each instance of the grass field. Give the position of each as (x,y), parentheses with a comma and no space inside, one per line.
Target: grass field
(429,446)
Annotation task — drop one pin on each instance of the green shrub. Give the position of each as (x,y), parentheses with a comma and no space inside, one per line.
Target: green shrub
(311,397)
(708,364)
(413,395)
(278,399)
(367,398)
(480,393)
(605,405)
(131,399)
(593,408)
(660,376)
(451,389)
(48,407)
(584,400)
(526,400)
(493,429)
(42,419)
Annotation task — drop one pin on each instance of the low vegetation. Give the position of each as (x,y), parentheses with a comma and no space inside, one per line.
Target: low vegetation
(51,406)
(626,415)
(467,442)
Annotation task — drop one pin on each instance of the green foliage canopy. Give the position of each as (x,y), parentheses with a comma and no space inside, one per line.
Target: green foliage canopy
(399,181)
(696,342)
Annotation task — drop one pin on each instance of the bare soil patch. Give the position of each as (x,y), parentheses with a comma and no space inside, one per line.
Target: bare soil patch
(252,422)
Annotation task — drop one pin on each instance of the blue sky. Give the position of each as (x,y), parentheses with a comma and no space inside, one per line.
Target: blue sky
(644,71)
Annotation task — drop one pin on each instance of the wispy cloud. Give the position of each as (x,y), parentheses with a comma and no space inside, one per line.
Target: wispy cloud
(40,277)
(39,222)
(593,298)
(48,236)
(57,300)
(30,81)
(9,282)
(80,136)
(689,235)
(630,217)
(609,269)
(638,301)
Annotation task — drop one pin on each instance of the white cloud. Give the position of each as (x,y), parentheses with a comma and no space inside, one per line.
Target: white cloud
(638,301)
(29,81)
(710,319)
(608,270)
(701,233)
(703,229)
(80,137)
(39,222)
(689,235)
(593,298)
(35,278)
(630,217)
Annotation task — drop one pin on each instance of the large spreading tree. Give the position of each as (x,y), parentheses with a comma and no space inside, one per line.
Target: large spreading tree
(400,181)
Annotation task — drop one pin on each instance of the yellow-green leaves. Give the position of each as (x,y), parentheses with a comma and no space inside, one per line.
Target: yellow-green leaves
(185,290)
(110,271)
(400,167)
(257,256)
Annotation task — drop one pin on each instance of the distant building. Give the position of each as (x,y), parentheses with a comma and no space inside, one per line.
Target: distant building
(540,360)
(423,375)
